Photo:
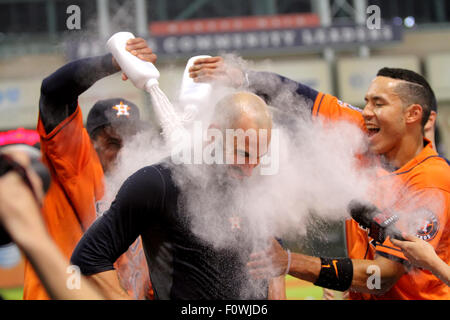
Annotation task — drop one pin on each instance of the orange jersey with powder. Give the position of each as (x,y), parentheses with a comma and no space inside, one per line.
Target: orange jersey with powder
(330,108)
(77,181)
(420,190)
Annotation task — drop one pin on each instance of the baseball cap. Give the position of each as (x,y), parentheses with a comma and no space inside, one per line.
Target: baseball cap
(116,112)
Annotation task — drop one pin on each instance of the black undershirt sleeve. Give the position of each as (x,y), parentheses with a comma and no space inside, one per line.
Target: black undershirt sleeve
(272,87)
(139,201)
(60,90)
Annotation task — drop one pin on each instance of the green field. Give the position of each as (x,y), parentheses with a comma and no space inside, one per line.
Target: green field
(295,291)
(302,290)
(12,294)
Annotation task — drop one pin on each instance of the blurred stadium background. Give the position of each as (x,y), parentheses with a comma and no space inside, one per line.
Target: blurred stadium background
(326,44)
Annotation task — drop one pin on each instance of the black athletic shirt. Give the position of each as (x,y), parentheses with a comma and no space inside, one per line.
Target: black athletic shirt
(182,265)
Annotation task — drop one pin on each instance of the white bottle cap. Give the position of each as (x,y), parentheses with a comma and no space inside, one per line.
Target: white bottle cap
(150,83)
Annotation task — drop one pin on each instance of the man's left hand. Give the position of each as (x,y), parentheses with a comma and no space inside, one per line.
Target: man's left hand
(269,263)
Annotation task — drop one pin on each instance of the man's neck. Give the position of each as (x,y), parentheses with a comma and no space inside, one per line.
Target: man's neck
(408,149)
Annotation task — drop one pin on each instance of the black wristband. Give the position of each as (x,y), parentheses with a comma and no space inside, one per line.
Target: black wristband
(335,274)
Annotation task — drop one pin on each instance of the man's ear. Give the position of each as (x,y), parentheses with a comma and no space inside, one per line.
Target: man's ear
(431,121)
(414,113)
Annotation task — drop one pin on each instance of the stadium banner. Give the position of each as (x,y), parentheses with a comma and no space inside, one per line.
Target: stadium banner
(281,40)
(275,40)
(438,71)
(356,74)
(233,24)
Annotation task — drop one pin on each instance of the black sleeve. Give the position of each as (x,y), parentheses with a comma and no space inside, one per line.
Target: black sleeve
(139,201)
(60,90)
(281,92)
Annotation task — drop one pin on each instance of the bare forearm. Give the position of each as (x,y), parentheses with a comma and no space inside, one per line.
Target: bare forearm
(375,276)
(362,269)
(51,267)
(305,267)
(441,270)
(109,284)
(369,276)
(277,288)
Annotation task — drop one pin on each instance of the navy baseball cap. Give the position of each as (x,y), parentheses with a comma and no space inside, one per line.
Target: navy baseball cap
(116,112)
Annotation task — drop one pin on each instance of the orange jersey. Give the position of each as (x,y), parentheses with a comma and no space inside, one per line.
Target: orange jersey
(70,204)
(77,181)
(420,192)
(329,108)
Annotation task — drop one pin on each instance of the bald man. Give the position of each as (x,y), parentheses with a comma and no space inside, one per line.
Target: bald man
(151,204)
(249,113)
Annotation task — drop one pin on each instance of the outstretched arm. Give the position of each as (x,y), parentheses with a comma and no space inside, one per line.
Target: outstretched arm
(20,216)
(268,85)
(60,90)
(274,261)
(290,99)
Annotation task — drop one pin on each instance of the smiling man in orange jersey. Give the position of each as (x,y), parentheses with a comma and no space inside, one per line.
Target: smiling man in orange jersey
(398,103)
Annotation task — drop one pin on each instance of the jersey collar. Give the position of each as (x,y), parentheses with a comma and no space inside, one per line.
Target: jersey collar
(426,153)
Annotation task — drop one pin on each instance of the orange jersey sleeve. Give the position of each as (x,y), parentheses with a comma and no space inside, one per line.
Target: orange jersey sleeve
(331,108)
(358,246)
(428,224)
(77,181)
(69,153)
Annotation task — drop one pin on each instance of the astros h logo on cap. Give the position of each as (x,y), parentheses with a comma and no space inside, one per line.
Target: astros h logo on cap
(122,109)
